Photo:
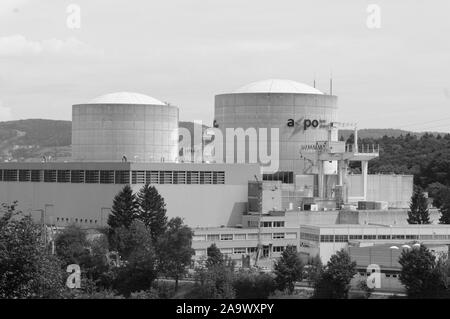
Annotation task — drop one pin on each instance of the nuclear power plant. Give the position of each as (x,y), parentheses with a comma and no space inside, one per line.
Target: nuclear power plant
(272,172)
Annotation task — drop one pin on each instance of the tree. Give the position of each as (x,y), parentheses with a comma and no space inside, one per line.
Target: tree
(418,209)
(288,269)
(445,210)
(124,209)
(215,282)
(438,192)
(152,210)
(139,272)
(125,240)
(420,274)
(27,269)
(135,247)
(334,281)
(313,269)
(174,249)
(72,245)
(215,257)
(253,285)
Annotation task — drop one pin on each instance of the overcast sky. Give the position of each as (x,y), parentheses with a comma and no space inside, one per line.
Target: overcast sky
(186,51)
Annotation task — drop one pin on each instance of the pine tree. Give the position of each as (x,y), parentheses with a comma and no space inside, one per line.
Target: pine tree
(124,209)
(288,269)
(418,209)
(152,210)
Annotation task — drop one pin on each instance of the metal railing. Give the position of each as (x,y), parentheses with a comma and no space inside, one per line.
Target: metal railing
(362,148)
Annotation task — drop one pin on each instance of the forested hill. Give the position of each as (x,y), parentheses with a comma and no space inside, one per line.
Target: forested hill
(380,132)
(426,157)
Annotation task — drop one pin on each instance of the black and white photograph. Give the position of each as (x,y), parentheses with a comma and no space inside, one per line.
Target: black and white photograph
(221,158)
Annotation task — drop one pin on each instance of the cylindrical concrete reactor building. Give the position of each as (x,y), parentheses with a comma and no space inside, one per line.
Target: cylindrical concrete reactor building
(301,114)
(137,126)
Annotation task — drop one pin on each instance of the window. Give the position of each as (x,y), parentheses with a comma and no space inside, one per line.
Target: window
(398,236)
(340,238)
(251,250)
(355,237)
(36,175)
(24,175)
(413,237)
(267,236)
(205,177)
(193,177)
(266,224)
(226,237)
(226,251)
(1,175)
(308,236)
(294,236)
(77,176)
(384,237)
(426,237)
(152,177)
(240,236)
(278,224)
(213,237)
(277,249)
(92,177)
(10,175)
(122,177)
(370,237)
(63,176)
(218,177)
(106,177)
(327,238)
(240,250)
(440,237)
(179,177)
(50,176)
(278,236)
(138,177)
(165,177)
(252,223)
(199,238)
(252,236)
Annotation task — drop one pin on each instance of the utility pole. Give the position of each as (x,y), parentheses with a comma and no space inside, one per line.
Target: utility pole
(259,246)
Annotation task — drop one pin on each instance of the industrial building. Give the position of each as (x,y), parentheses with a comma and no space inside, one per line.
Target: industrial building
(243,204)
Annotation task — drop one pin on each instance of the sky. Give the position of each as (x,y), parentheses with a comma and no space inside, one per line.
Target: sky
(184,52)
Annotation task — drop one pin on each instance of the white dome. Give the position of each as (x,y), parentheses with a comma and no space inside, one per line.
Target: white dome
(126,98)
(277,86)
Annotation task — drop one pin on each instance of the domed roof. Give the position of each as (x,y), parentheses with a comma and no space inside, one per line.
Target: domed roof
(126,98)
(277,86)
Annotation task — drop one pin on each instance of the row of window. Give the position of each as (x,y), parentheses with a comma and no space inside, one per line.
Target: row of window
(240,250)
(253,236)
(266,224)
(76,220)
(346,238)
(387,275)
(112,176)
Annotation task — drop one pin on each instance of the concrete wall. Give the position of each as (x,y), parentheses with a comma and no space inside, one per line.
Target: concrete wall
(199,204)
(395,189)
(385,217)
